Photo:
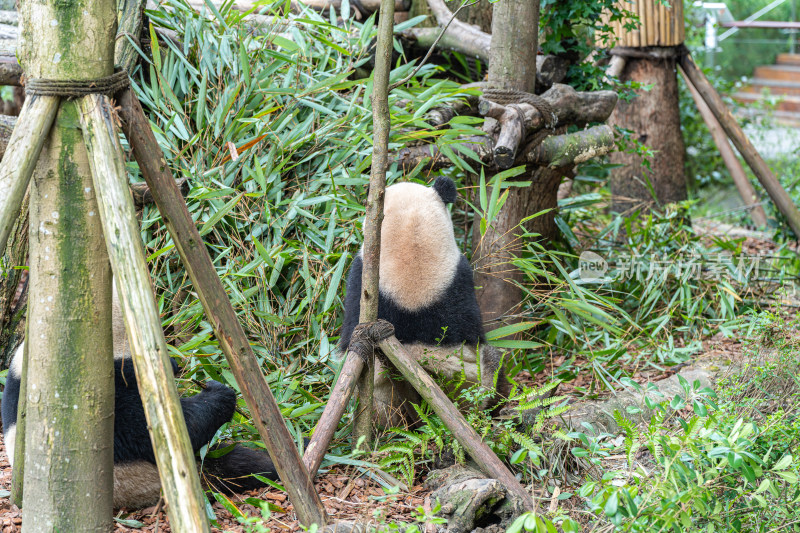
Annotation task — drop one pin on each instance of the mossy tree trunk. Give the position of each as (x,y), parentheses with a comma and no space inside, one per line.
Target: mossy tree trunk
(70,382)
(512,66)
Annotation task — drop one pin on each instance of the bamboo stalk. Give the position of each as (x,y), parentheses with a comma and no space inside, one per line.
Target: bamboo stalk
(227,329)
(22,154)
(732,129)
(455,422)
(647,21)
(173,451)
(745,188)
(334,409)
(678,24)
(381,123)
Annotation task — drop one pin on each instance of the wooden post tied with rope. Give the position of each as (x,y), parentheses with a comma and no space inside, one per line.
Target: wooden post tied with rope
(72,108)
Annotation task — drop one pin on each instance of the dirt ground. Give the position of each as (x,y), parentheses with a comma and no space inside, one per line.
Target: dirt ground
(346,498)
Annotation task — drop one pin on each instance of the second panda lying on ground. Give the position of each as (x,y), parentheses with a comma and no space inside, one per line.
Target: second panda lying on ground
(428,294)
(136,481)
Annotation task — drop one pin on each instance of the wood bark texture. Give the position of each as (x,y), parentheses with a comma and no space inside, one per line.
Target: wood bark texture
(654,117)
(173,451)
(334,410)
(743,185)
(381,124)
(754,160)
(572,149)
(455,422)
(13,288)
(70,383)
(515,31)
(22,154)
(219,312)
(68,462)
(130,14)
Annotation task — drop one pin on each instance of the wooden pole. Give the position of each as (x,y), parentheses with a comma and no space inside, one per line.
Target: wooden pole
(68,464)
(173,450)
(381,124)
(746,190)
(489,463)
(732,129)
(232,338)
(22,153)
(334,409)
(18,473)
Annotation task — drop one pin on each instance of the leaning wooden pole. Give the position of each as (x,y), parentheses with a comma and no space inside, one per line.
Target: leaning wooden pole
(381,123)
(22,153)
(424,384)
(173,450)
(219,312)
(732,129)
(70,379)
(334,409)
(743,185)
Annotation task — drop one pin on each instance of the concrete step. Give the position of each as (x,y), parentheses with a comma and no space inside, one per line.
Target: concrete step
(788,59)
(787,103)
(781,118)
(778,72)
(757,85)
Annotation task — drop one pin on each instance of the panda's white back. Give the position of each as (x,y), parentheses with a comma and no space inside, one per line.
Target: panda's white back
(419,254)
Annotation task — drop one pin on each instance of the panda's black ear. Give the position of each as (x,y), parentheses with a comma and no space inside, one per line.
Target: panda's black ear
(446,189)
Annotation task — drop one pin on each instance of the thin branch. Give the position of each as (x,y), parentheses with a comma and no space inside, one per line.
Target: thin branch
(432,47)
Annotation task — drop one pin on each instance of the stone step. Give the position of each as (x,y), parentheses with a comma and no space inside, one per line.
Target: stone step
(788,59)
(778,72)
(757,85)
(787,103)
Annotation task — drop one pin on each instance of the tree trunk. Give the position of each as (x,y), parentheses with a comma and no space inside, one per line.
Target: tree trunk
(513,66)
(13,289)
(479,15)
(654,118)
(70,400)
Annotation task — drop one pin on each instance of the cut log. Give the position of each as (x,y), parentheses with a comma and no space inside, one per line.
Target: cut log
(471,37)
(512,133)
(573,148)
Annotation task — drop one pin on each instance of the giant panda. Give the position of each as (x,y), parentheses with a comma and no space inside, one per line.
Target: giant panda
(136,480)
(426,291)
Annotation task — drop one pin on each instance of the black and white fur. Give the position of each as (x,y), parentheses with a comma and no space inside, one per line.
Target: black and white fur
(427,292)
(136,480)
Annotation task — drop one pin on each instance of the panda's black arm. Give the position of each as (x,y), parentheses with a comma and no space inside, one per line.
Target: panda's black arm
(352,303)
(206,412)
